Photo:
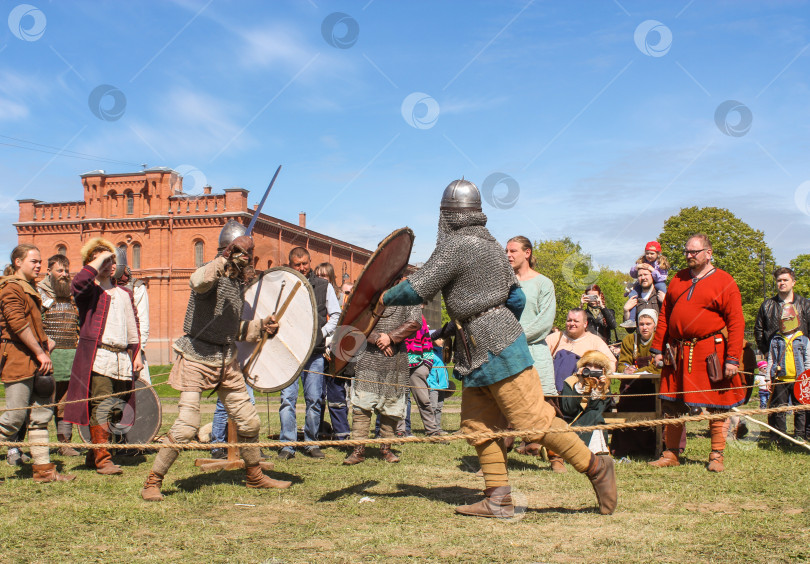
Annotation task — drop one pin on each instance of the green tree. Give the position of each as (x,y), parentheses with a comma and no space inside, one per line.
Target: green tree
(801,266)
(571,271)
(739,249)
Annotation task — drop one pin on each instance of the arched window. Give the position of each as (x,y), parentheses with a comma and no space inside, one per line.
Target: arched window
(122,249)
(136,256)
(199,249)
(130,203)
(61,250)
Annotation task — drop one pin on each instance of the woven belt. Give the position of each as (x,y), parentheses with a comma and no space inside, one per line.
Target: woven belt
(691,344)
(482,314)
(112,348)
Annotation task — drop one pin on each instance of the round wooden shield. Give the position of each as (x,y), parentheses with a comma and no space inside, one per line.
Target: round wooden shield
(383,270)
(275,363)
(801,388)
(117,412)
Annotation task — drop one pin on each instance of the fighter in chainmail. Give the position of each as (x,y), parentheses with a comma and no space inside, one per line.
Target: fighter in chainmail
(206,360)
(60,319)
(381,378)
(484,301)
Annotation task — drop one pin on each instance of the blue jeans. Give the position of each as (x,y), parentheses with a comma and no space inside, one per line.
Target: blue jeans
(219,428)
(313,388)
(335,393)
(763,398)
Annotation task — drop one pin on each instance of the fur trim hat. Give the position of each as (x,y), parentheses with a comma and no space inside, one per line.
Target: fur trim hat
(94,244)
(595,358)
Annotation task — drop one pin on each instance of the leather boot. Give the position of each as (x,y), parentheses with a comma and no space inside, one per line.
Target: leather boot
(557,464)
(388,456)
(255,478)
(100,458)
(357,456)
(151,488)
(44,473)
(716,461)
(497,503)
(531,449)
(668,458)
(602,475)
(66,450)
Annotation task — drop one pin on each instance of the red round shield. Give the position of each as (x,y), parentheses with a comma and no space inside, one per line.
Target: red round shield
(383,270)
(801,388)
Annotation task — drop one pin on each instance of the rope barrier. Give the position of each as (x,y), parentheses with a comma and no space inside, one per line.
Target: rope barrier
(432,439)
(147,386)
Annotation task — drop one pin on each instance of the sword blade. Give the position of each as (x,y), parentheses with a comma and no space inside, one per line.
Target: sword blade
(261,204)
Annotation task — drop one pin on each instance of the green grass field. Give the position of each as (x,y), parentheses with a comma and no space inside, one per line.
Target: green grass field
(757,511)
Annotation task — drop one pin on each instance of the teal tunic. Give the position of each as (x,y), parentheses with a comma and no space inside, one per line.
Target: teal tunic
(514,359)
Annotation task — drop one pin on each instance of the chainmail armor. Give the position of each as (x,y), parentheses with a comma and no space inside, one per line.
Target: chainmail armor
(372,364)
(212,323)
(61,323)
(470,268)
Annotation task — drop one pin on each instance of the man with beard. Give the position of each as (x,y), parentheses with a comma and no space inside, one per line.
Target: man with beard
(60,318)
(501,385)
(108,357)
(649,298)
(207,360)
(702,306)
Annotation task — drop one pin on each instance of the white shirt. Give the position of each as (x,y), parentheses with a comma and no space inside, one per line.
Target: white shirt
(120,330)
(142,305)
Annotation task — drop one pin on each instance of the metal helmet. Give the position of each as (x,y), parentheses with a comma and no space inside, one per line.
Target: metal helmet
(230,231)
(461,195)
(120,262)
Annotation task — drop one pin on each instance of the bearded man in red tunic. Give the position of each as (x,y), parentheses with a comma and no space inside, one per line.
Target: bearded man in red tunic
(701,330)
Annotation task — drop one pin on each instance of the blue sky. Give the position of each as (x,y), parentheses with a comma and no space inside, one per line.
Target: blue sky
(596,120)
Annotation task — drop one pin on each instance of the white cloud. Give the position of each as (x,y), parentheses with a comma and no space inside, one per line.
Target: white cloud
(10,110)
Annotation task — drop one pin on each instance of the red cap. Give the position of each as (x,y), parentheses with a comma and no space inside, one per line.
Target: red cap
(653,246)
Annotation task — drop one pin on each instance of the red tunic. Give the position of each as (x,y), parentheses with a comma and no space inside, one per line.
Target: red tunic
(700,309)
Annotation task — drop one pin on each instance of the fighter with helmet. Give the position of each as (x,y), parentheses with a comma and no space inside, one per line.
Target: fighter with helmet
(207,358)
(484,301)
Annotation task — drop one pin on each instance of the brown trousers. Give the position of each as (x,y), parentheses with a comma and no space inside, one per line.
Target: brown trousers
(518,400)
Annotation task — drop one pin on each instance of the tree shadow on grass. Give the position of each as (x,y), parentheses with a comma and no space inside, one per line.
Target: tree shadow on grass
(350,490)
(452,495)
(237,477)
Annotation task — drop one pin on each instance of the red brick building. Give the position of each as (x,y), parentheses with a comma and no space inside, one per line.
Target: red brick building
(168,234)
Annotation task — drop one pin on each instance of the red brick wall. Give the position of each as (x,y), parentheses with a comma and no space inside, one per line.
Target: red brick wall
(167,224)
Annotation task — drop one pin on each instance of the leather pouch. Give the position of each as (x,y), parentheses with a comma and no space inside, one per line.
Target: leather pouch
(714,369)
(44,385)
